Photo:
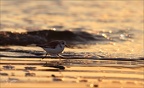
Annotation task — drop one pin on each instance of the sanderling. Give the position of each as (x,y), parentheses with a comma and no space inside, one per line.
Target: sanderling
(54,47)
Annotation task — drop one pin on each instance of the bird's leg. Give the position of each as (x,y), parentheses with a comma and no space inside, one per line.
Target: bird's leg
(45,56)
(60,58)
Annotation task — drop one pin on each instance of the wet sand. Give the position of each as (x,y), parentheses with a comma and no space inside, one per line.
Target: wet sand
(73,76)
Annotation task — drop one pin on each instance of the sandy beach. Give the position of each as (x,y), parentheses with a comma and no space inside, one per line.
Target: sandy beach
(73,76)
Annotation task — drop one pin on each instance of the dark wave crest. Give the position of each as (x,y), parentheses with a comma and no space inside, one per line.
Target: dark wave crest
(71,37)
(40,37)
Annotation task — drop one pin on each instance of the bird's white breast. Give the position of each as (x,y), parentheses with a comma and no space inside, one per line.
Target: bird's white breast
(58,49)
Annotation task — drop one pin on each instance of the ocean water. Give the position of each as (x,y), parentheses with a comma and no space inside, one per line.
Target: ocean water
(92,29)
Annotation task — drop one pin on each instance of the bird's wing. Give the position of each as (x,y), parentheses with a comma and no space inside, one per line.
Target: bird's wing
(53,44)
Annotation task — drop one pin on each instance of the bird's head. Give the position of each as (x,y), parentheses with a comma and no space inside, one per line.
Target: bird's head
(63,43)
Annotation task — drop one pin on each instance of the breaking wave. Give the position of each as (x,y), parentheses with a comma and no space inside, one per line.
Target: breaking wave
(71,37)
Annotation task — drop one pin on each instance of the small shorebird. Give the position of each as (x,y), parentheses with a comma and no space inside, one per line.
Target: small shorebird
(54,47)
